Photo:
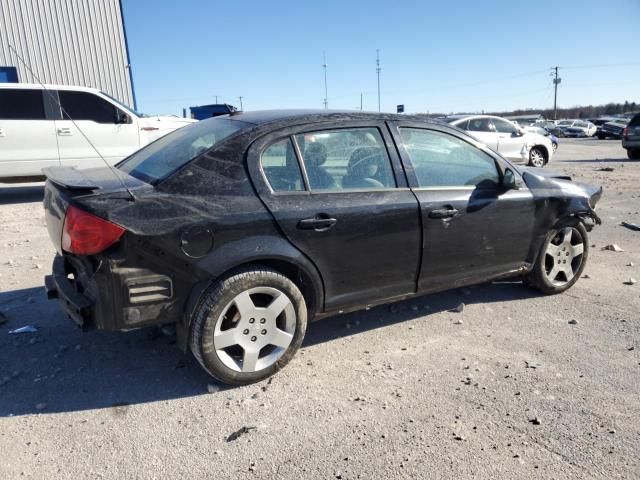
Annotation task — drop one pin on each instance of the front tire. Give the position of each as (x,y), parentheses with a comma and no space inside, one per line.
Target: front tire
(562,258)
(248,326)
(537,157)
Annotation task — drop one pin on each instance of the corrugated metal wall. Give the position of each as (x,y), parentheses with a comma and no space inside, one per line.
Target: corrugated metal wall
(69,42)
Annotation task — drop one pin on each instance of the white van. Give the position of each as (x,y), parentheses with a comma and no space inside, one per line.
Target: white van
(36,133)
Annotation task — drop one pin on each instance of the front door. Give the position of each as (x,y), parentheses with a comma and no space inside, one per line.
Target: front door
(27,136)
(97,126)
(348,209)
(473,229)
(511,143)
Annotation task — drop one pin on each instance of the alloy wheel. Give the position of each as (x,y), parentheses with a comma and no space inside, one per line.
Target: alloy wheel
(563,256)
(255,329)
(536,158)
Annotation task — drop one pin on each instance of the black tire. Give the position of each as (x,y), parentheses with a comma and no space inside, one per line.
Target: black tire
(212,305)
(537,157)
(633,154)
(538,278)
(601,137)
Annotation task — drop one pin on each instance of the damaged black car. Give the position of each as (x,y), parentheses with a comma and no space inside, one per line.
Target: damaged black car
(243,228)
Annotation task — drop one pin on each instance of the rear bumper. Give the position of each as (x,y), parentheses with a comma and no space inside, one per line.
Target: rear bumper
(111,297)
(77,306)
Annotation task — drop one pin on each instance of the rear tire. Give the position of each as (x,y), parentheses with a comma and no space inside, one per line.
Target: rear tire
(633,154)
(601,137)
(248,326)
(562,258)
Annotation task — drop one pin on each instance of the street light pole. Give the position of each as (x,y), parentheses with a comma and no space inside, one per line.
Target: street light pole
(378,72)
(556,81)
(324,66)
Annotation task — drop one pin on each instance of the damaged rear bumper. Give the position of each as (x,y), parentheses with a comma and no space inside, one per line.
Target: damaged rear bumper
(110,297)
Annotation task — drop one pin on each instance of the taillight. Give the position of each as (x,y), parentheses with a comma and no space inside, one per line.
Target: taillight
(625,132)
(86,234)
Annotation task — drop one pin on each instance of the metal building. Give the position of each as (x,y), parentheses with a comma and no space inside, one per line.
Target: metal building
(68,42)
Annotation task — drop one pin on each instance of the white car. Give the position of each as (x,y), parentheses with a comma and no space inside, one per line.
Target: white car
(35,132)
(577,128)
(506,138)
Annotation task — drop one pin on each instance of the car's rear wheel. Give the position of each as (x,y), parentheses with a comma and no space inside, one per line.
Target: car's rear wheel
(562,258)
(601,137)
(633,154)
(248,326)
(536,157)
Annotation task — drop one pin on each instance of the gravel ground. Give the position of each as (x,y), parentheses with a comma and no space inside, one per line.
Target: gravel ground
(509,388)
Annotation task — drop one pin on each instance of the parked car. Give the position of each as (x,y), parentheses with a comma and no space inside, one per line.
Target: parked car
(241,229)
(631,138)
(613,129)
(600,121)
(61,125)
(544,133)
(551,127)
(506,138)
(577,128)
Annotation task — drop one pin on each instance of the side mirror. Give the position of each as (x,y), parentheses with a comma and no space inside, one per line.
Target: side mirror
(508,180)
(123,118)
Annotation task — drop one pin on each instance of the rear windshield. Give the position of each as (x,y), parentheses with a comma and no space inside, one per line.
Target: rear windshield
(164,156)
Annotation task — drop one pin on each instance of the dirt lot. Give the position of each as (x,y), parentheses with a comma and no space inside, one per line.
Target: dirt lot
(401,391)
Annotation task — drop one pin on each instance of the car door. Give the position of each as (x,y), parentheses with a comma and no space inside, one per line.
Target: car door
(27,135)
(473,228)
(482,128)
(339,195)
(511,143)
(98,126)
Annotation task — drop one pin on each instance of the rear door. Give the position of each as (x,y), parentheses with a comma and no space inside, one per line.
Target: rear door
(472,228)
(348,208)
(96,123)
(27,137)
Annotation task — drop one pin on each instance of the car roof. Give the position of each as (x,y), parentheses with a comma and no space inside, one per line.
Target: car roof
(263,117)
(39,86)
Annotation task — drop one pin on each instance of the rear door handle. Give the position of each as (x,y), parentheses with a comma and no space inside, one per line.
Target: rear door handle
(443,213)
(320,222)
(64,131)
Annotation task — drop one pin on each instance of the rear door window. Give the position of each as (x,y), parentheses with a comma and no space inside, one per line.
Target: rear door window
(346,159)
(21,104)
(281,168)
(442,160)
(87,106)
(480,125)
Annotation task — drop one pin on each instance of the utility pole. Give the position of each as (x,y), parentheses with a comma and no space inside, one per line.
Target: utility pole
(378,72)
(360,101)
(240,98)
(216,99)
(556,81)
(324,66)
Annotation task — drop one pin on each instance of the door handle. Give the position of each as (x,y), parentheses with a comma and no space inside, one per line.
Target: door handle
(443,213)
(64,131)
(320,223)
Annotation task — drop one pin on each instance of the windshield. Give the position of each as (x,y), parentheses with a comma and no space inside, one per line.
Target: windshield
(565,123)
(164,156)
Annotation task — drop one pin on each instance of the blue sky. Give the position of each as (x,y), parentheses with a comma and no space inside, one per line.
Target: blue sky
(443,56)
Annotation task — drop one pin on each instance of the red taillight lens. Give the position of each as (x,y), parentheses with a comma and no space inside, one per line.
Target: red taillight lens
(86,234)
(625,132)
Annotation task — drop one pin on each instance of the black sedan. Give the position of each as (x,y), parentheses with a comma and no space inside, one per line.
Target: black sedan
(241,229)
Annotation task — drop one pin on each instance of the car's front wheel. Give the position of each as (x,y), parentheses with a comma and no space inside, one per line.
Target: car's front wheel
(562,258)
(536,157)
(248,326)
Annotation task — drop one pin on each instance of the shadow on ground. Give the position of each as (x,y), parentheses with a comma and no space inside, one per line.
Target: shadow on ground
(61,369)
(21,194)
(600,160)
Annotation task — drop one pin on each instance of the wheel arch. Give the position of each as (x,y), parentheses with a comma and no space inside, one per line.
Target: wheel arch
(544,150)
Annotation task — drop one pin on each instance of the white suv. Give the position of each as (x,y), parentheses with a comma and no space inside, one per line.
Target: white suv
(506,138)
(36,133)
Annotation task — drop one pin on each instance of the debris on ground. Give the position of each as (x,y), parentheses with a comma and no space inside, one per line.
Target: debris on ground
(613,247)
(605,169)
(213,388)
(529,364)
(25,329)
(631,226)
(586,275)
(573,322)
(630,264)
(458,309)
(238,433)
(631,281)
(535,421)
(458,322)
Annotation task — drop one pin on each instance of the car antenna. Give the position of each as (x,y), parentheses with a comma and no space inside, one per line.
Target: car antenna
(57,102)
